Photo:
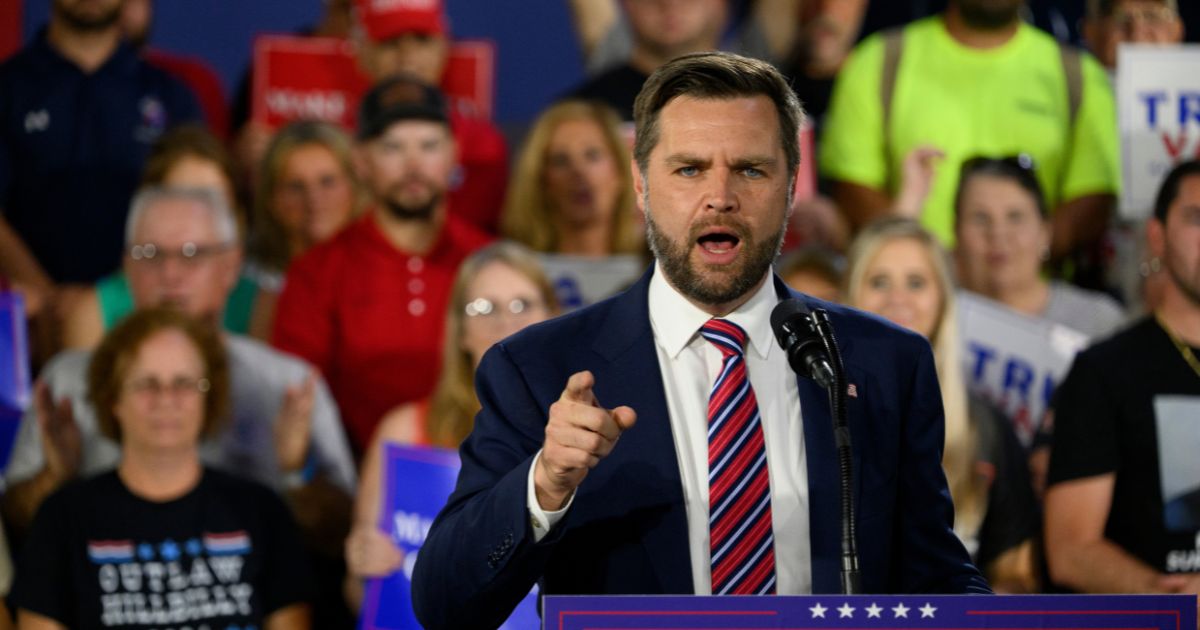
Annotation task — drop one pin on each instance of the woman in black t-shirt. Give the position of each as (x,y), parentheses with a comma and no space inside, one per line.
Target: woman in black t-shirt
(161,542)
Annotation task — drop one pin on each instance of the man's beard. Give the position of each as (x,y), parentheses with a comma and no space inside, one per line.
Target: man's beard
(82,21)
(412,212)
(719,287)
(985,16)
(1190,288)
(412,209)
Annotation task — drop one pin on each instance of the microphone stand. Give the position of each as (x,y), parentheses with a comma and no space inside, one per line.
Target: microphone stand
(841,434)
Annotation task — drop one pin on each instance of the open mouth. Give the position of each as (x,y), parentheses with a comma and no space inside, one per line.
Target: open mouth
(719,245)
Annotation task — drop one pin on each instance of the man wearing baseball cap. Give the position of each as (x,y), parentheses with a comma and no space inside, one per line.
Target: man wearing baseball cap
(367,307)
(411,37)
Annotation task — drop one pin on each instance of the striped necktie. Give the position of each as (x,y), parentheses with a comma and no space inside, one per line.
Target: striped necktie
(741,541)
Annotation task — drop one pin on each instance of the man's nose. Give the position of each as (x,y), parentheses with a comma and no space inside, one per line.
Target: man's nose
(721,196)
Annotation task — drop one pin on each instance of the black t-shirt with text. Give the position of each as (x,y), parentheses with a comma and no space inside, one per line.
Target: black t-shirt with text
(222,557)
(1110,410)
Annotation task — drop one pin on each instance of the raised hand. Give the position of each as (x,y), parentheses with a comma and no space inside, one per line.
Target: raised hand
(293,425)
(61,443)
(579,434)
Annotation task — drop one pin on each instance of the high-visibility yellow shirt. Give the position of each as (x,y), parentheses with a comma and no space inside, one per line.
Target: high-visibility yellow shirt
(997,102)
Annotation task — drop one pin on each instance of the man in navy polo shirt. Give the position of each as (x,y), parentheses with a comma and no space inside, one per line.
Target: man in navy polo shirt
(79,111)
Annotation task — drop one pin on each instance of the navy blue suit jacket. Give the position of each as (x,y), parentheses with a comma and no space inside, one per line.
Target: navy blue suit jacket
(626,531)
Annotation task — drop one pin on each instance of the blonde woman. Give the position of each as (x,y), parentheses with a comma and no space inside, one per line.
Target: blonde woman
(572,192)
(499,290)
(898,270)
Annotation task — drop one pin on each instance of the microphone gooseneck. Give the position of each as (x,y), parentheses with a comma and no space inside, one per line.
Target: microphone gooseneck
(812,350)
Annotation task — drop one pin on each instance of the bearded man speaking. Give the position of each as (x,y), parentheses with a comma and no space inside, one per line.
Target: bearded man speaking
(658,442)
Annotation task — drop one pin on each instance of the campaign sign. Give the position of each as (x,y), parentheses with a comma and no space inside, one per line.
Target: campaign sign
(306,78)
(863,612)
(416,484)
(1158,105)
(319,78)
(14,370)
(1014,361)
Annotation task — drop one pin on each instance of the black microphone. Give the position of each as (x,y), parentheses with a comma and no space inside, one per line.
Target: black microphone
(797,333)
(812,350)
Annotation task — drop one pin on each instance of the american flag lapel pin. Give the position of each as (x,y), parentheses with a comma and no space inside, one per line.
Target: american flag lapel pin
(852,390)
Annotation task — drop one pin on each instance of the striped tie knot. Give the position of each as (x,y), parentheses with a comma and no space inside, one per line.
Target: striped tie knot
(727,336)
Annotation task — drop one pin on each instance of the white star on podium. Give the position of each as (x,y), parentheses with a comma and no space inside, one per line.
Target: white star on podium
(927,611)
(900,610)
(845,611)
(873,611)
(818,611)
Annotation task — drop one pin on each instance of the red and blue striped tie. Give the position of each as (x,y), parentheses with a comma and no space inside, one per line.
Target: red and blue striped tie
(739,501)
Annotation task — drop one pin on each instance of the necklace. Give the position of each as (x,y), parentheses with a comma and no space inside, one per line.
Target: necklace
(1183,348)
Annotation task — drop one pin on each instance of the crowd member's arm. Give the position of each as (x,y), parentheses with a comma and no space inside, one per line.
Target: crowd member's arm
(1084,459)
(1079,555)
(853,148)
(23,271)
(50,428)
(27,620)
(294,617)
(592,20)
(369,551)
(1092,169)
(916,180)
(82,322)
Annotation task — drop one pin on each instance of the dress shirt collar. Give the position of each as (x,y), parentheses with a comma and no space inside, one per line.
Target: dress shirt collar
(676,321)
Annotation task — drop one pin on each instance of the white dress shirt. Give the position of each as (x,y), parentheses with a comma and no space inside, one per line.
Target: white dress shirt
(689,365)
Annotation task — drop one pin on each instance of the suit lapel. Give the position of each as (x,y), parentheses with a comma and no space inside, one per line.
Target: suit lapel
(631,376)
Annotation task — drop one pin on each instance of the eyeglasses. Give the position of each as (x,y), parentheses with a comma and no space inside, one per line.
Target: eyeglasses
(1020,162)
(189,253)
(483,307)
(150,387)
(1126,16)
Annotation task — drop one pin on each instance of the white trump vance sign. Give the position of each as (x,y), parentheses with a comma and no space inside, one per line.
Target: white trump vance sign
(1158,103)
(1014,361)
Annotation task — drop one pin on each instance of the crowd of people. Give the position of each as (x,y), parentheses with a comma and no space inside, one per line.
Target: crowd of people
(228,322)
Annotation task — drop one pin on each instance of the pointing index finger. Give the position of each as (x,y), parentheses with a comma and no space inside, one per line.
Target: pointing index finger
(579,388)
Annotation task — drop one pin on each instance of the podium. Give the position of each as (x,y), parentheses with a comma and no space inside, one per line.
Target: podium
(862,612)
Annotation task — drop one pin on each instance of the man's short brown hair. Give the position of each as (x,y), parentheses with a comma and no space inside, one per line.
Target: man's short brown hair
(715,75)
(111,362)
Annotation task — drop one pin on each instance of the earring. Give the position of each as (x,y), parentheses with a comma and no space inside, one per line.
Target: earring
(1150,267)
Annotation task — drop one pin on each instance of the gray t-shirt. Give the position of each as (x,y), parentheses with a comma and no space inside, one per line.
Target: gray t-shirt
(1092,313)
(259,377)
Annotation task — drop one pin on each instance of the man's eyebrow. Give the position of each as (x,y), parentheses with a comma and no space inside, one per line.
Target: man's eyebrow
(755,161)
(687,159)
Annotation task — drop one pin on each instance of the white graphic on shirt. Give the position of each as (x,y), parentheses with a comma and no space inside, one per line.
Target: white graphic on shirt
(169,584)
(37,121)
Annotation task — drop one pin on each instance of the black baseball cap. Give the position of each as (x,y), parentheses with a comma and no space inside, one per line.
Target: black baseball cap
(399,98)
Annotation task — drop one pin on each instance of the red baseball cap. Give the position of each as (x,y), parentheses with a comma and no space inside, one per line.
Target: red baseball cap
(387,19)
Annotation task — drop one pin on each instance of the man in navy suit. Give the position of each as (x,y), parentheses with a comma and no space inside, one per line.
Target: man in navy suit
(605,434)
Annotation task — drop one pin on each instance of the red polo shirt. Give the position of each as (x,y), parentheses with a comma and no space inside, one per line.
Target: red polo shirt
(371,317)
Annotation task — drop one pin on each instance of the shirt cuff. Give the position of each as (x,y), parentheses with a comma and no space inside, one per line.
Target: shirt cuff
(541,520)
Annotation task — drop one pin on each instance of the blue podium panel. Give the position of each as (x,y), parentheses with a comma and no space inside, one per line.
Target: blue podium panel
(864,612)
